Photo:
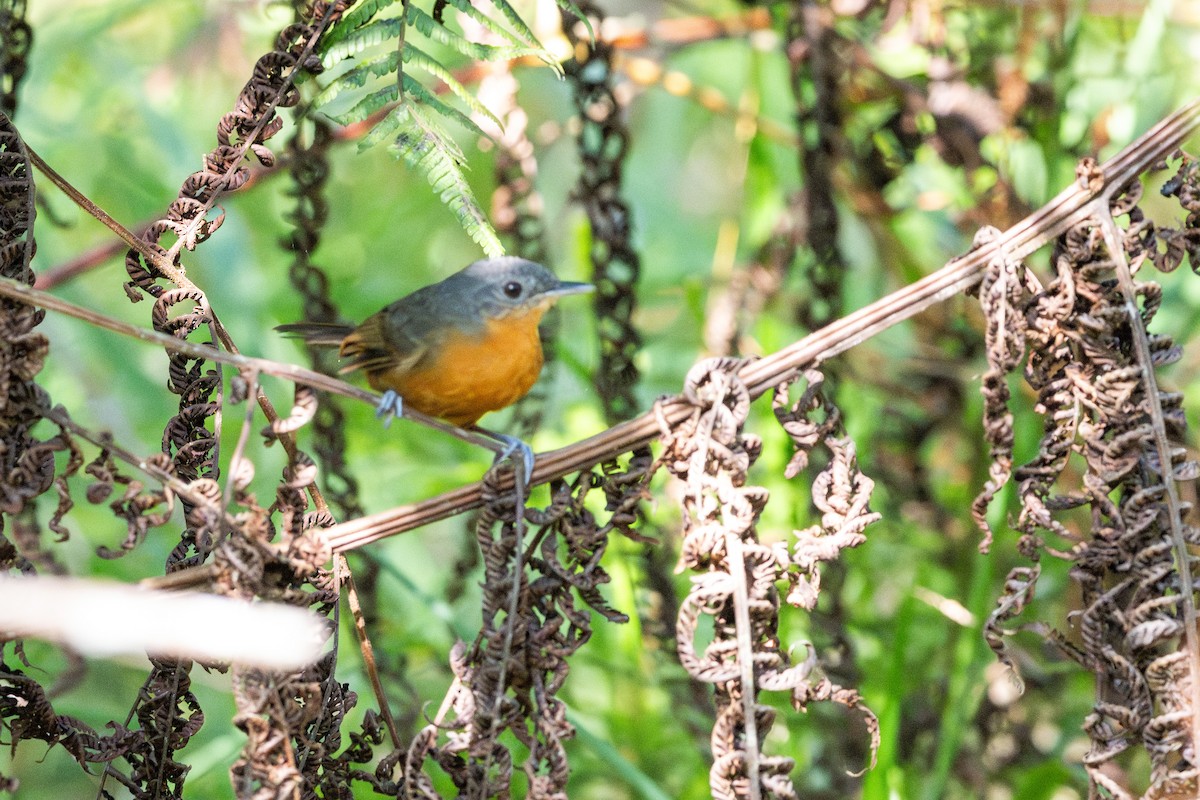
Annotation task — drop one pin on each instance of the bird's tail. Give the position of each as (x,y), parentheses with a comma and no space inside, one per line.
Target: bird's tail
(318,334)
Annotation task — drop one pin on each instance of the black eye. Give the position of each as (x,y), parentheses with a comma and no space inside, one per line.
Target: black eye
(512,289)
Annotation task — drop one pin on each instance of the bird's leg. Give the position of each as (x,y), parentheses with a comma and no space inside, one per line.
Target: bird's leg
(391,406)
(514,448)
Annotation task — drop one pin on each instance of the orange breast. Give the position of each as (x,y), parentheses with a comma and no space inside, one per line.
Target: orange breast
(469,376)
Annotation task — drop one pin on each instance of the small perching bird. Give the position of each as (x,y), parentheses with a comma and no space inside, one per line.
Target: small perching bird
(456,349)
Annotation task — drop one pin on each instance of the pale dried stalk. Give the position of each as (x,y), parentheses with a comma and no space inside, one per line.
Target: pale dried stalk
(1162,446)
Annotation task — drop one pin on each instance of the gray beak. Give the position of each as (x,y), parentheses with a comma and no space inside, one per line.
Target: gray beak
(565,288)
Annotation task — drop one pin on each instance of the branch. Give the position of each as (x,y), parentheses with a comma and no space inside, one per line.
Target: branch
(26,294)
(1071,205)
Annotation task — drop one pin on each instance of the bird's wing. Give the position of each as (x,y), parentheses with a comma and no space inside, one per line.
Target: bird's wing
(385,341)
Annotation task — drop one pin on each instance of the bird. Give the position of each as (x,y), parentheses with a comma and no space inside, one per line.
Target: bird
(455,349)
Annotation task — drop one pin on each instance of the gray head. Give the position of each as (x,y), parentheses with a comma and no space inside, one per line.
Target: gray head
(499,287)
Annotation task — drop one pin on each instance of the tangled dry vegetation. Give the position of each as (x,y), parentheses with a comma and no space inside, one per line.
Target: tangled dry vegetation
(1103,491)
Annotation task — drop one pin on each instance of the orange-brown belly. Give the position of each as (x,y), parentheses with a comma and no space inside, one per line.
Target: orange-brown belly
(469,376)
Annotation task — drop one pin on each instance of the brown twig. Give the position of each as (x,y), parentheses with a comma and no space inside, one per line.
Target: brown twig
(124,234)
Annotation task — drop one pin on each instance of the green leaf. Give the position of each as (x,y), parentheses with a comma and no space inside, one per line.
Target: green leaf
(418,92)
(354,19)
(368,106)
(406,41)
(425,147)
(431,29)
(357,78)
(372,34)
(515,20)
(622,768)
(386,127)
(577,12)
(523,37)
(418,57)
(386,65)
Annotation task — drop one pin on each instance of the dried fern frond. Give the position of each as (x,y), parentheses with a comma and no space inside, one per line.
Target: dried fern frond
(1109,446)
(736,574)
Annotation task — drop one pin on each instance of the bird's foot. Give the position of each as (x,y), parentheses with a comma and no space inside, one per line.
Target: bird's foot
(514,449)
(391,406)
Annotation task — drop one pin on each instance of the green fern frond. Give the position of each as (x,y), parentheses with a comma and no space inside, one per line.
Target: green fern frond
(358,31)
(387,127)
(372,34)
(369,105)
(577,12)
(385,65)
(522,38)
(353,20)
(413,88)
(389,95)
(412,41)
(514,19)
(425,147)
(433,30)
(381,66)
(380,31)
(417,57)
